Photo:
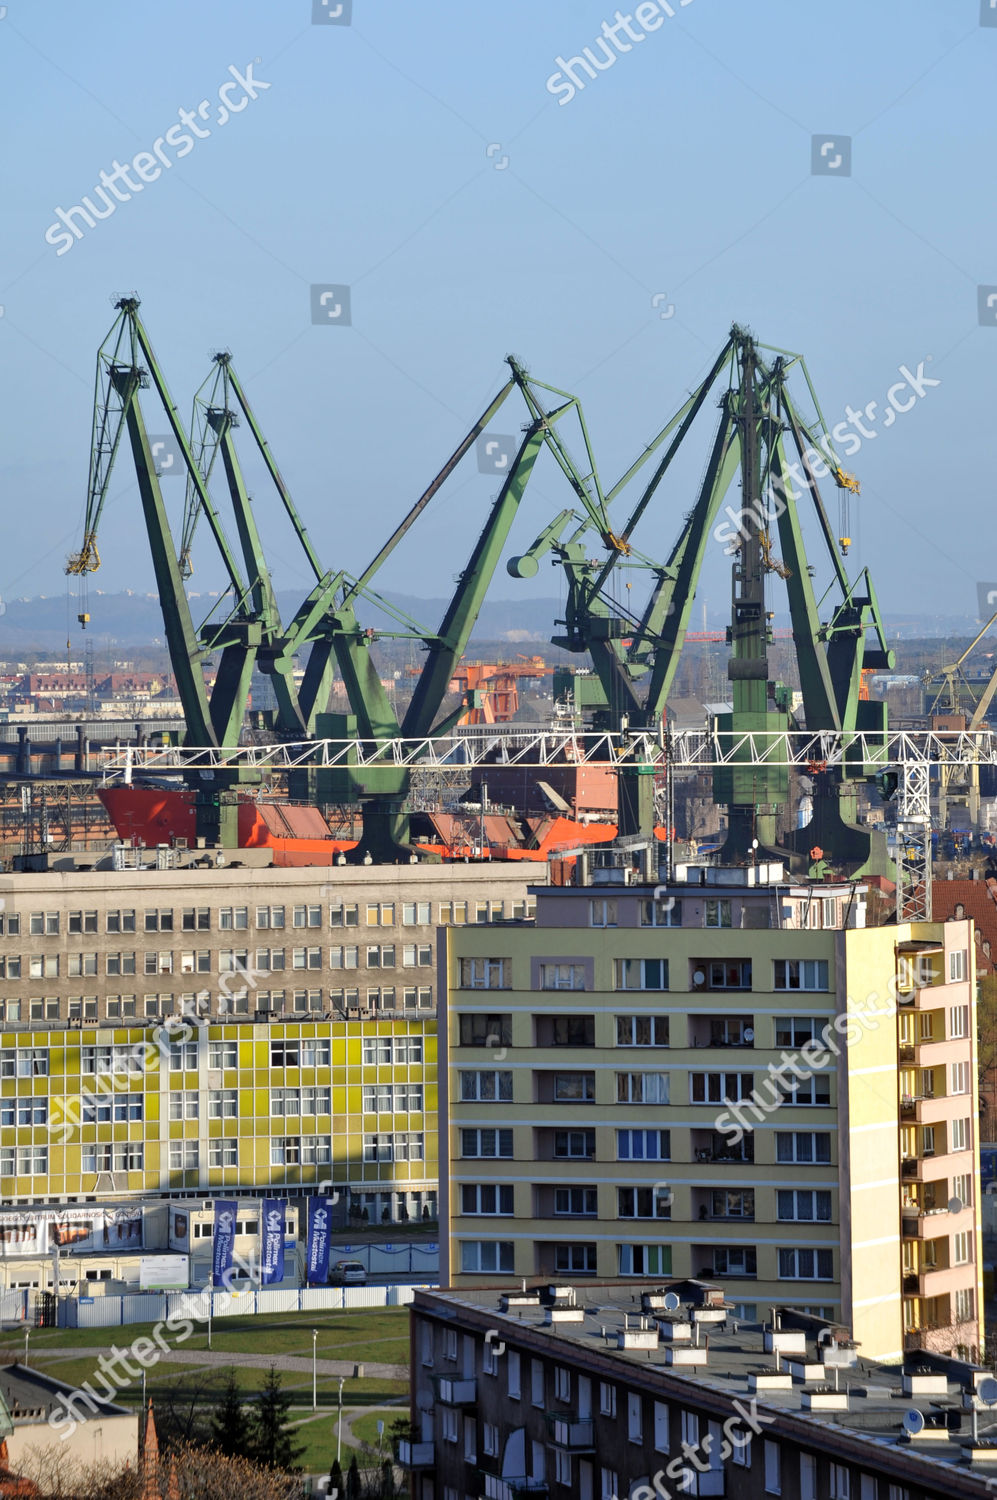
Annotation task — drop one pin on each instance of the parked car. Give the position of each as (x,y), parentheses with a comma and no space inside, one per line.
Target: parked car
(349,1273)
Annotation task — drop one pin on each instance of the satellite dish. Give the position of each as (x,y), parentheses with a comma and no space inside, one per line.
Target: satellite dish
(749,1033)
(955,1205)
(914,1421)
(699,977)
(672,1304)
(987,1391)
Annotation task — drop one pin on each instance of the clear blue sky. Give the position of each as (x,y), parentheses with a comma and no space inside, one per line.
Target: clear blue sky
(684,169)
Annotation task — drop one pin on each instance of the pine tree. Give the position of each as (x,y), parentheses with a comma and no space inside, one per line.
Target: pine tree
(272,1440)
(353,1480)
(229,1423)
(336,1477)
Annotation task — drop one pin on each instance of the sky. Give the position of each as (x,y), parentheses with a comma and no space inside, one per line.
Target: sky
(820,175)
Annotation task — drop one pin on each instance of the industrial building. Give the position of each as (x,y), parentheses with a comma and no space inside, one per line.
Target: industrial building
(727,1077)
(599,1397)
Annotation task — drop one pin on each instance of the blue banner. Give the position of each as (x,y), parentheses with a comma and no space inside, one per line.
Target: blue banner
(319,1214)
(223,1244)
(272,1242)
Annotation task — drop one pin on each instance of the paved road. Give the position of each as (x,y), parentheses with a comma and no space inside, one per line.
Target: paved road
(292,1363)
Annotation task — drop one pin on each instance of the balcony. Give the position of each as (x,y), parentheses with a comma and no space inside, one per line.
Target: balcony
(497,1487)
(412,1455)
(928,1109)
(572,1432)
(450,1392)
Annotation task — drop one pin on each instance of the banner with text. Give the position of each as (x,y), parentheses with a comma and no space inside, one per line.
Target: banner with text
(318,1241)
(223,1245)
(272,1242)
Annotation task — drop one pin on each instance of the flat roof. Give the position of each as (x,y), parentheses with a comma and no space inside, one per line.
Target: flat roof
(733,1351)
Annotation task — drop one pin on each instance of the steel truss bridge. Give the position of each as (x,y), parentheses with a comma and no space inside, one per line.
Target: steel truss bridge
(914,756)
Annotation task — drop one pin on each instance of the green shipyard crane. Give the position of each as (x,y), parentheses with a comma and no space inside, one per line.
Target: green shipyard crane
(764,439)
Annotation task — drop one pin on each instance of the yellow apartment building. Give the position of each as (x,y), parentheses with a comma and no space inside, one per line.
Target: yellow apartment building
(730,1078)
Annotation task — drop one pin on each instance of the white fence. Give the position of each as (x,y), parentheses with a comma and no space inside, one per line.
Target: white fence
(154,1307)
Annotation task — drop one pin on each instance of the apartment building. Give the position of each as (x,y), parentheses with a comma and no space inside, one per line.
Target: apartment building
(171,1031)
(547,1394)
(731,1078)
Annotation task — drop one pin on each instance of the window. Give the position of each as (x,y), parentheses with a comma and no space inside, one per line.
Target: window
(486,1198)
(10,924)
(269,917)
(448,1424)
(567,1088)
(285,1054)
(829,911)
(223,1054)
(644,1260)
(269,960)
(661,913)
(635,1418)
(223,1104)
(403,1145)
(577,1260)
(808,1477)
(194,919)
(562,976)
(183,1156)
(485,973)
(223,1153)
(959,1131)
(316,1101)
(285,1102)
(838,1483)
(537,1382)
(732,1203)
(24,1062)
(343,915)
(513,1366)
(642,1031)
(576,1202)
(574,1143)
(773,1471)
(643,1145)
(120,963)
(485,1085)
(420,996)
(195,961)
(813,1090)
(233,918)
(958,1021)
(183,1104)
(719,1088)
(392,1098)
(958,966)
(734,974)
(486,1255)
(796,1031)
(44,923)
(418,956)
(961,1254)
(159,920)
(602,914)
(562,1383)
(26,1111)
(735,1260)
(964,1305)
(962,1188)
(27,1161)
(10,967)
(82,921)
(380,914)
(959,1083)
(307,1000)
(662,1436)
(130,1157)
(486,1143)
(607,1399)
(803,1145)
(233,961)
(43,966)
(82,963)
(397,1050)
(609,1484)
(478,1030)
(311,958)
(800,974)
(315,1053)
(562,1466)
(159,963)
(416,914)
(804,1204)
(565,1031)
(642,973)
(740,1442)
(381,957)
(717,913)
(644,1202)
(806,1265)
(642,1088)
(453,913)
(183,1056)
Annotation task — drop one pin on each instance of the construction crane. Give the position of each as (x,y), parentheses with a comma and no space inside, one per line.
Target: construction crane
(763,438)
(490,688)
(960,785)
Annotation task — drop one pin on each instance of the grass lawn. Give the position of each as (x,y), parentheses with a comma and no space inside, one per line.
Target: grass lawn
(378,1334)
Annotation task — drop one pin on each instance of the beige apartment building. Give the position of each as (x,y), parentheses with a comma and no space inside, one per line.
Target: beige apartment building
(730,1079)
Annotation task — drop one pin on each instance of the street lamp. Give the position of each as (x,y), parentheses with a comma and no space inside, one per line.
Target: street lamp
(339,1421)
(314,1370)
(27,1335)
